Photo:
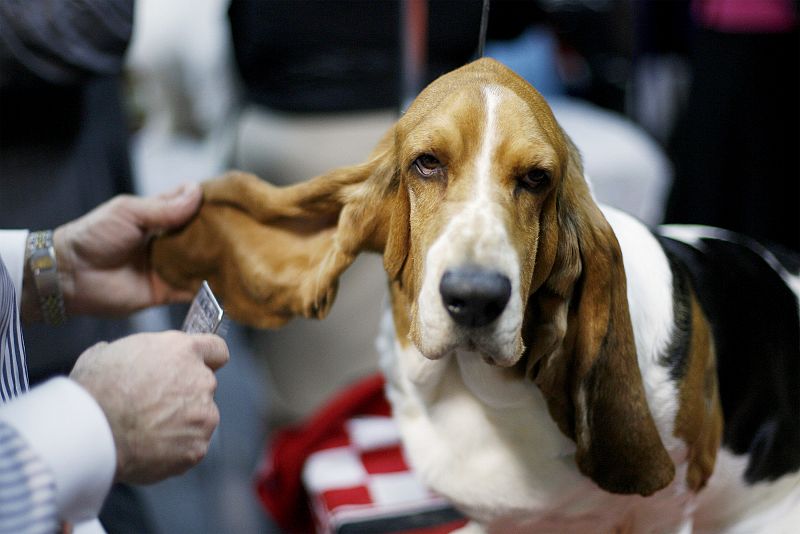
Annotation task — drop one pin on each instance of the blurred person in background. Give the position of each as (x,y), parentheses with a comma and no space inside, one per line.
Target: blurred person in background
(181,96)
(63,133)
(735,146)
(321,83)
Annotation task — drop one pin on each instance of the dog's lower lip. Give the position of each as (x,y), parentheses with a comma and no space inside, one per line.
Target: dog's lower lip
(489,360)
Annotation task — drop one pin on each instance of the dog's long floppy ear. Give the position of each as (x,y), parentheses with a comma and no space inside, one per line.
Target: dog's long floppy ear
(272,253)
(581,346)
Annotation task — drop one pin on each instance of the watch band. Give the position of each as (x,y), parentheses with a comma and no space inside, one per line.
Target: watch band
(44,266)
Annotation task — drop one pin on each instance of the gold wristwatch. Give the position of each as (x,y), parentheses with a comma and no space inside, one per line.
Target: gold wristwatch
(41,258)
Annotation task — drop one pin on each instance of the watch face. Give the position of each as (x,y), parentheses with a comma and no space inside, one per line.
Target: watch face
(42,262)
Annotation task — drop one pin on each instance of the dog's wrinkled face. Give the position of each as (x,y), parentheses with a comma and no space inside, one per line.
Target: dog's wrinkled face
(479,164)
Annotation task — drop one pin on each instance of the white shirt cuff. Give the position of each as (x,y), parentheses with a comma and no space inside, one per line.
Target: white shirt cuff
(12,250)
(68,430)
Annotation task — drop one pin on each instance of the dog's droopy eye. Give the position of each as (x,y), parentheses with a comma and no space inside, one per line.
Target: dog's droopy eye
(533,180)
(427,165)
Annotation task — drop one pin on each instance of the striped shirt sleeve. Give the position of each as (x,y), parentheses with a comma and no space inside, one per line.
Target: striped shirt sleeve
(65,427)
(13,368)
(27,487)
(57,457)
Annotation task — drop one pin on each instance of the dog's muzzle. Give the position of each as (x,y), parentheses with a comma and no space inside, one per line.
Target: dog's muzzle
(474,296)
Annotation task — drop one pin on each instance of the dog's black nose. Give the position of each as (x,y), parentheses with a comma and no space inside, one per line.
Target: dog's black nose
(473,296)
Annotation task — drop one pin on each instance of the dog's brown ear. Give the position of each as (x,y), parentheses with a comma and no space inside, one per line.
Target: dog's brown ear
(272,253)
(582,352)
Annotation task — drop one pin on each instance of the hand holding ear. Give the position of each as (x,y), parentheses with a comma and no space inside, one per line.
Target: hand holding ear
(103,259)
(272,253)
(269,253)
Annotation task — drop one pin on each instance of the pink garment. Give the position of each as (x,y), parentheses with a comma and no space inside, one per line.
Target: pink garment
(745,16)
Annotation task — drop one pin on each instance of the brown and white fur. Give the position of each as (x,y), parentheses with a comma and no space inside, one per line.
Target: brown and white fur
(561,411)
(521,459)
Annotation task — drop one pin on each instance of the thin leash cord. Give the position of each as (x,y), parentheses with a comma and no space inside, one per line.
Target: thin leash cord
(484,26)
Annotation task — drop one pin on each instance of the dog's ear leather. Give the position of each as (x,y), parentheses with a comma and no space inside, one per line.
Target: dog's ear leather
(395,251)
(581,350)
(272,253)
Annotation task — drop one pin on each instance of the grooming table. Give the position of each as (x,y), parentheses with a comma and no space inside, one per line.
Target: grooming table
(343,471)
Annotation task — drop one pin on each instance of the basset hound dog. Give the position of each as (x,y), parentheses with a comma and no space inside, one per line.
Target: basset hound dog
(553,365)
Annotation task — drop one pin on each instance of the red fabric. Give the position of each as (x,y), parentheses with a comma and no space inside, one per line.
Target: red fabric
(278,482)
(342,497)
(385,460)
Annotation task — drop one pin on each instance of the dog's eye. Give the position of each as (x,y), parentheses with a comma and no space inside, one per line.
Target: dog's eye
(533,180)
(427,165)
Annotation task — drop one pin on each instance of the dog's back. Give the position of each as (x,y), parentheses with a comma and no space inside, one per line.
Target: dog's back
(750,294)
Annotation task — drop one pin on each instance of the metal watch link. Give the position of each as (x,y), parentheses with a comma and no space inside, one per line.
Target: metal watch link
(41,258)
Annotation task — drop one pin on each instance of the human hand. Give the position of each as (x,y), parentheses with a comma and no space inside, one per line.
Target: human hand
(103,260)
(157,392)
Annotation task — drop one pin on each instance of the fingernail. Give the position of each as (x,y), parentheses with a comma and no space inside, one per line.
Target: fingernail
(183,193)
(178,191)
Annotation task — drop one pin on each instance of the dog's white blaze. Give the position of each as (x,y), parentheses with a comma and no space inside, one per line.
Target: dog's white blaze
(483,171)
(475,235)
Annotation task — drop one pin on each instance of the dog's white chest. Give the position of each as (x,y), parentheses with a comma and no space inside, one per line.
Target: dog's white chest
(487,442)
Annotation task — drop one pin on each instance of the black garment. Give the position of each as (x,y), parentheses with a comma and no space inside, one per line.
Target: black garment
(62,152)
(736,148)
(63,136)
(318,56)
(327,55)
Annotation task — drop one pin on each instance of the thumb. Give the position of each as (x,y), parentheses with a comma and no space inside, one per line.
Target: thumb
(212,349)
(168,210)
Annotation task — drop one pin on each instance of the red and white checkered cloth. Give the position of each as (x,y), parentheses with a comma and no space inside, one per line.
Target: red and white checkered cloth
(346,466)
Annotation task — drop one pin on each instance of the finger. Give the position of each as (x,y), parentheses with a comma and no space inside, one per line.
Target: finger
(163,293)
(212,419)
(169,210)
(212,349)
(176,192)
